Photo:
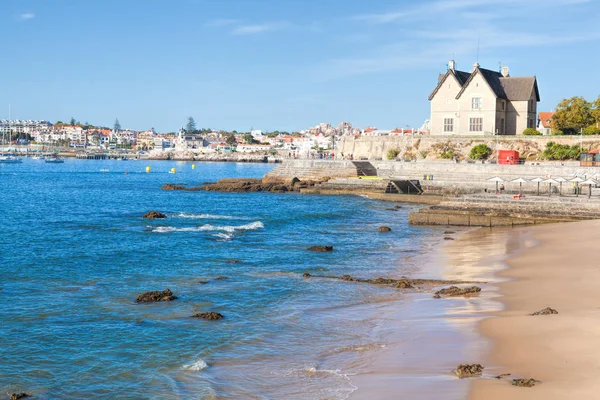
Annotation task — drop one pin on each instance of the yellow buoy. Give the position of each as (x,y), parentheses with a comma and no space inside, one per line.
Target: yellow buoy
(148,169)
(173,170)
(193,166)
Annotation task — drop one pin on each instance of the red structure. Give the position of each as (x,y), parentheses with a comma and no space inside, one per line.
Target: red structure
(510,157)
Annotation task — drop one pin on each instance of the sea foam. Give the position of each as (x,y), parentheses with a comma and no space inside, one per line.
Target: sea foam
(198,365)
(211,216)
(208,227)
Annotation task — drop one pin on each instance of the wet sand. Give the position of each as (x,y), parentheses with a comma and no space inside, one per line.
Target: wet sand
(561,271)
(432,336)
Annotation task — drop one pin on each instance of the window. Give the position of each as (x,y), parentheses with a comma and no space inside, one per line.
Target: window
(503,105)
(476,103)
(475,124)
(530,123)
(502,125)
(448,124)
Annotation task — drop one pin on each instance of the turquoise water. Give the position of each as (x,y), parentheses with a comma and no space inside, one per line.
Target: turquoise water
(75,253)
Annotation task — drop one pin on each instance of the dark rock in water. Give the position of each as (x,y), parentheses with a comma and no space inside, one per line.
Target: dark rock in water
(385,229)
(306,275)
(468,370)
(321,249)
(383,281)
(454,291)
(173,186)
(17,396)
(527,382)
(501,376)
(149,297)
(233,261)
(449,232)
(154,215)
(546,311)
(349,278)
(211,315)
(404,284)
(448,238)
(220,278)
(203,282)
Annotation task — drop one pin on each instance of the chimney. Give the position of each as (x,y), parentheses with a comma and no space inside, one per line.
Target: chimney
(451,65)
(505,72)
(475,66)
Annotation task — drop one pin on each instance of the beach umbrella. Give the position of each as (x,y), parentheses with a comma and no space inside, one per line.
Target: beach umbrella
(589,182)
(560,180)
(496,179)
(550,181)
(538,180)
(521,181)
(576,180)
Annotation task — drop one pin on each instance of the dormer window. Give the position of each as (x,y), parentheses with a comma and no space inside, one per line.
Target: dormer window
(476,103)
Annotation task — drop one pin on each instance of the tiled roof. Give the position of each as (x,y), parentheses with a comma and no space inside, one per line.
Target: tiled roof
(546,118)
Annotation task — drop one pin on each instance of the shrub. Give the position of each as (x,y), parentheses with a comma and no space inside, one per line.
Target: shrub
(424,153)
(555,151)
(480,152)
(531,131)
(448,153)
(392,154)
(591,130)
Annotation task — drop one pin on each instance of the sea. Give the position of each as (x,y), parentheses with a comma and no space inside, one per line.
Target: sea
(75,252)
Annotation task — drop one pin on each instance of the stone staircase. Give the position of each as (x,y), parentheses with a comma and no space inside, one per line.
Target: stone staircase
(313,170)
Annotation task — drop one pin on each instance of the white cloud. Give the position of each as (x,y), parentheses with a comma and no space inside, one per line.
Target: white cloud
(26,16)
(258,28)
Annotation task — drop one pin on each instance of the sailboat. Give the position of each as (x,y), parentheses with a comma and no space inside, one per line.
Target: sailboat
(8,159)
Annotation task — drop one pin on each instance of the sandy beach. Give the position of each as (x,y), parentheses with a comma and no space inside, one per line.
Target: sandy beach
(561,271)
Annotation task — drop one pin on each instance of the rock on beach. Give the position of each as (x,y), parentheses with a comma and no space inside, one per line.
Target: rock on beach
(468,370)
(454,291)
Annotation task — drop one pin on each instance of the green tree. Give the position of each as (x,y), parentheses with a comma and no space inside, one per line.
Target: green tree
(231,140)
(72,121)
(572,115)
(117,125)
(480,152)
(191,125)
(596,111)
(249,139)
(556,151)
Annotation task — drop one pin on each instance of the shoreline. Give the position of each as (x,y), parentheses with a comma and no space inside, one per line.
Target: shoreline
(437,335)
(556,269)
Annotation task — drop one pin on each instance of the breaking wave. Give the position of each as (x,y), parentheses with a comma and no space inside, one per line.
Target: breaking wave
(211,216)
(208,227)
(196,366)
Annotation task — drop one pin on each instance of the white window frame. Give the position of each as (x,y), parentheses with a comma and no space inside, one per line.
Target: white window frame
(476,103)
(448,125)
(474,123)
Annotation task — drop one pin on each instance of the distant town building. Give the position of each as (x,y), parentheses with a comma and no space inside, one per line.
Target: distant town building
(483,101)
(545,122)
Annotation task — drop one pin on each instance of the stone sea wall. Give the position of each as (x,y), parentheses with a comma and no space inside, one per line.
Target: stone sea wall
(432,147)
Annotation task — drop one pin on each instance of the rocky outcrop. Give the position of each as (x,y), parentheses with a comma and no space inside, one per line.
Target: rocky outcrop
(220,278)
(384,229)
(454,291)
(402,283)
(210,315)
(546,311)
(320,249)
(231,261)
(154,215)
(154,296)
(468,370)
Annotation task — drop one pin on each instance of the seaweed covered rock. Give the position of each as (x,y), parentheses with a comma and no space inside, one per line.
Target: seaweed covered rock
(449,232)
(320,249)
(306,275)
(525,382)
(454,291)
(468,370)
(179,186)
(449,238)
(154,296)
(232,261)
(404,284)
(154,215)
(546,311)
(18,396)
(210,315)
(384,229)
(220,278)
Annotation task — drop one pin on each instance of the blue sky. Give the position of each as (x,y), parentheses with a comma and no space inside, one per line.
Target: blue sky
(279,64)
